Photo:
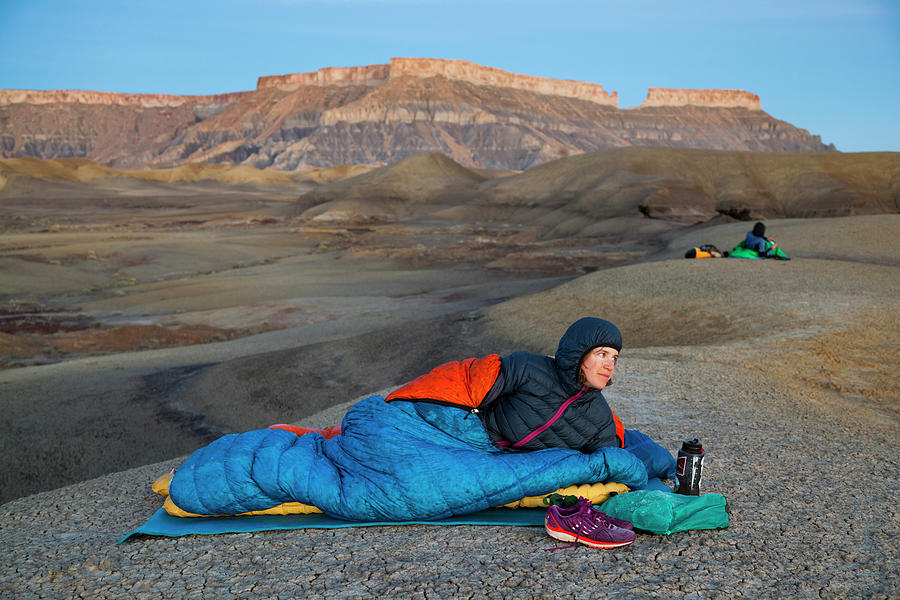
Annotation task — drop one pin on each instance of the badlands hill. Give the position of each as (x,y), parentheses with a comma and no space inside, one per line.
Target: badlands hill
(36,194)
(379,114)
(18,176)
(582,195)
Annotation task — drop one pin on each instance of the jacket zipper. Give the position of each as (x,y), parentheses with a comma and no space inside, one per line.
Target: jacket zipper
(546,425)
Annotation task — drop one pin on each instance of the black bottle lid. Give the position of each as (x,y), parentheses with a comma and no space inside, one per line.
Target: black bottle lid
(692,446)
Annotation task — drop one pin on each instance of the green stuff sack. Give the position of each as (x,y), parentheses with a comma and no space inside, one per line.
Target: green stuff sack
(778,252)
(740,252)
(665,512)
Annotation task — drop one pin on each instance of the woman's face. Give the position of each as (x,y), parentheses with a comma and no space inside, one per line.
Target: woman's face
(598,366)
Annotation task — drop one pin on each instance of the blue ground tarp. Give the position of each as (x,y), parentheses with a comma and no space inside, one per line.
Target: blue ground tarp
(163,524)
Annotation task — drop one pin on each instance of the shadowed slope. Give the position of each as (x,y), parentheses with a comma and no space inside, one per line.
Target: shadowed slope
(571,196)
(29,172)
(694,302)
(695,185)
(424,179)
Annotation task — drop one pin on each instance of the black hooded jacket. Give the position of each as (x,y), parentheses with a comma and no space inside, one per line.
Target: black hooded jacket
(531,390)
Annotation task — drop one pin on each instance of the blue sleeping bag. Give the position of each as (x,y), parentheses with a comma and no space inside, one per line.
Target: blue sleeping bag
(394,461)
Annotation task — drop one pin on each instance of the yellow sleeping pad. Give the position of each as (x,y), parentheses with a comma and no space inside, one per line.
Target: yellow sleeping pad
(597,493)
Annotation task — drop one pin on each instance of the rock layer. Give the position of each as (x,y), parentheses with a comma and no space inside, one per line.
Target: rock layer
(378,114)
(8,97)
(707,98)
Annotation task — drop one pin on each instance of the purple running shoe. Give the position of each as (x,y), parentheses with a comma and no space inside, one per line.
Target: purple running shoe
(577,506)
(583,524)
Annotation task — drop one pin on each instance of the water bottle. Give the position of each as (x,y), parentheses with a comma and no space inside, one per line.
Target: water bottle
(689,467)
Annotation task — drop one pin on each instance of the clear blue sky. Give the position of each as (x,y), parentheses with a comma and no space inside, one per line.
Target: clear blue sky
(829,66)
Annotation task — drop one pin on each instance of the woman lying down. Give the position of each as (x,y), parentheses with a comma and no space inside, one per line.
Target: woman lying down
(540,423)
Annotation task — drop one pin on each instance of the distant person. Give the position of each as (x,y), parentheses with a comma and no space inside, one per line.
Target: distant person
(757,245)
(756,240)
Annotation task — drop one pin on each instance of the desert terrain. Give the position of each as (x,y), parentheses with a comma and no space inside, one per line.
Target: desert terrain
(141,307)
(787,371)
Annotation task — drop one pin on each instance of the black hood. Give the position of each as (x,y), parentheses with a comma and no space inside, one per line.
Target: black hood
(582,336)
(759,230)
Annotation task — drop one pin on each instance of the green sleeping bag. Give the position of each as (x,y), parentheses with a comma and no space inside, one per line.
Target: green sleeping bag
(741,252)
(665,512)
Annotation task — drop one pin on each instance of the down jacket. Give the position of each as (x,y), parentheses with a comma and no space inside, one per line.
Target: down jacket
(755,243)
(530,401)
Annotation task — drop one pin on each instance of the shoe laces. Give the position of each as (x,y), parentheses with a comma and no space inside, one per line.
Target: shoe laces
(588,522)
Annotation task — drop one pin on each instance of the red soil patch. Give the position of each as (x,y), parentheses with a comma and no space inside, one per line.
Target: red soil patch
(15,347)
(36,346)
(138,337)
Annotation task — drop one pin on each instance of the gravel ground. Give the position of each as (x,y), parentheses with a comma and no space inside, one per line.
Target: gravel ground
(799,420)
(811,488)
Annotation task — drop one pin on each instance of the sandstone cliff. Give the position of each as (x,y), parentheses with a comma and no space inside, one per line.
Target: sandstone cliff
(707,98)
(378,114)
(457,70)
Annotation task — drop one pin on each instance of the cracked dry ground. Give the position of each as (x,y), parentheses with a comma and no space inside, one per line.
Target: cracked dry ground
(809,471)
